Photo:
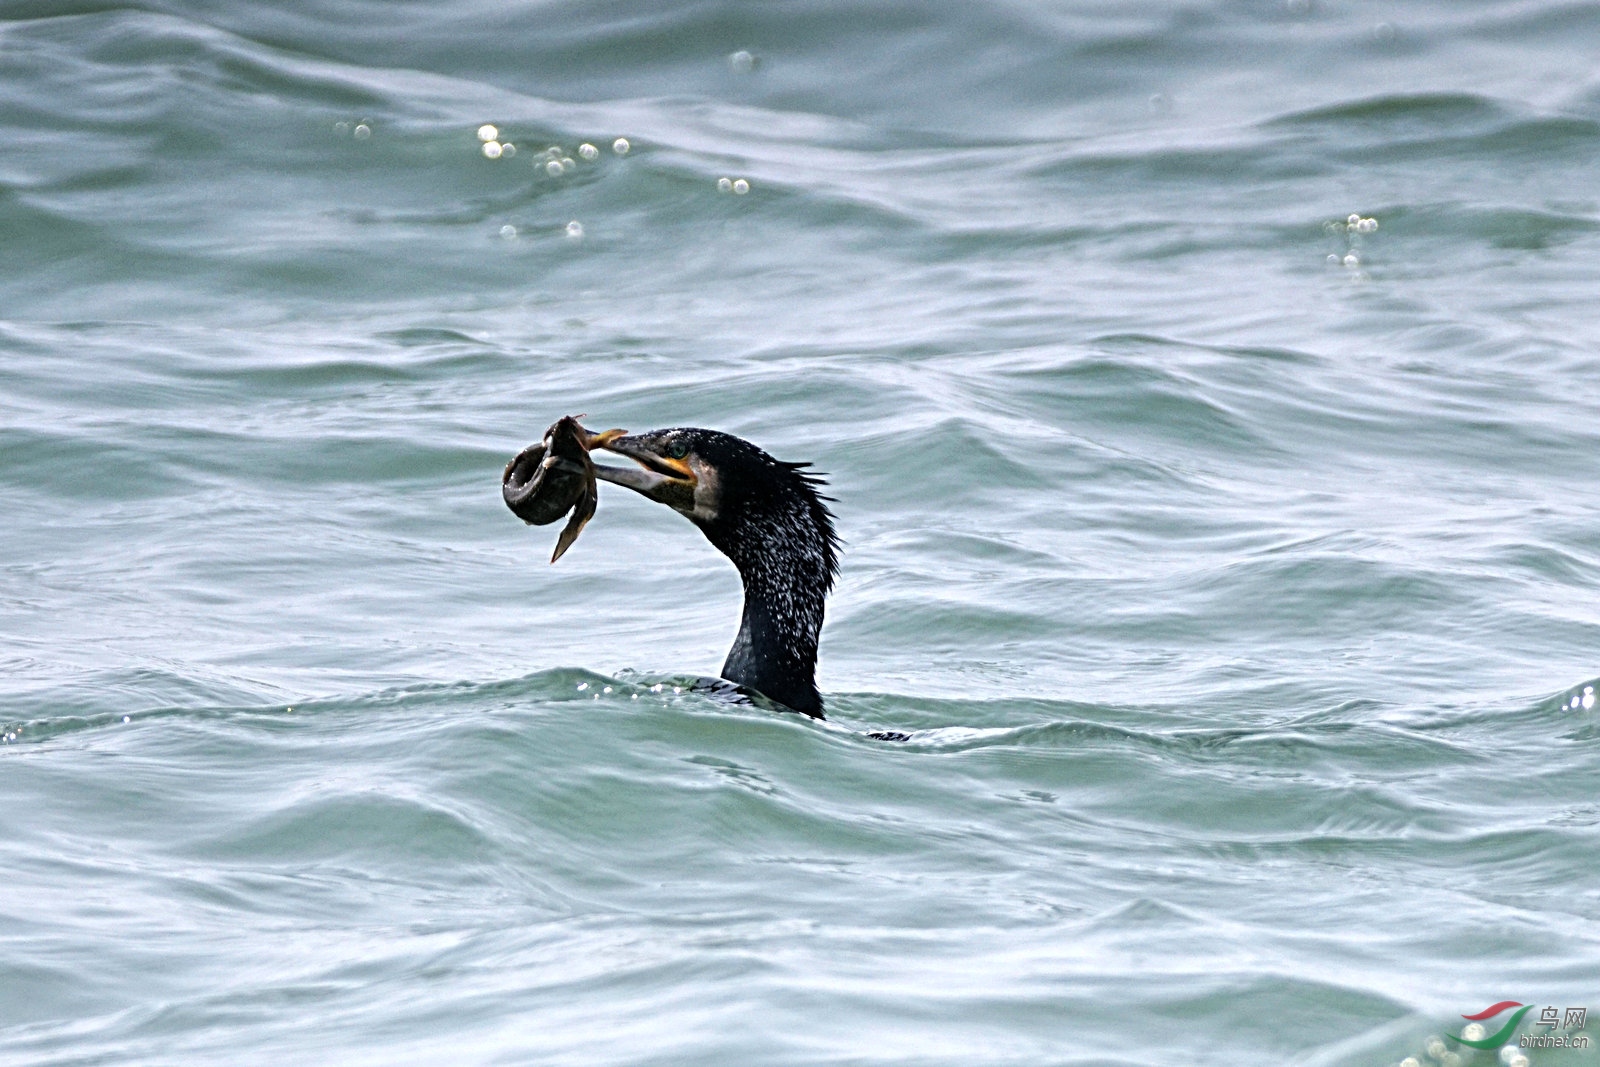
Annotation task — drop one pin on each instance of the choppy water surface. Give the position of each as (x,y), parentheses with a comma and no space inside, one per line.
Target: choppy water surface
(1233,562)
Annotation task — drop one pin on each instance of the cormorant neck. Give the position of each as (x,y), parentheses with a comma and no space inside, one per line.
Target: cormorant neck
(787,565)
(775,652)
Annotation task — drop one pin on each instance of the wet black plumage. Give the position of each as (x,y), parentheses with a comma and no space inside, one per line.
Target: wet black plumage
(775,526)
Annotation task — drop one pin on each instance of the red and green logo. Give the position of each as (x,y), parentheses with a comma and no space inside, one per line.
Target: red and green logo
(1473,1036)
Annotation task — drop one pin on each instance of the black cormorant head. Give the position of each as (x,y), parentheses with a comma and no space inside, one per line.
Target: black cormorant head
(741,497)
(678,467)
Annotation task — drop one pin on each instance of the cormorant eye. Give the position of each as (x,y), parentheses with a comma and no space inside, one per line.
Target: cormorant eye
(678,449)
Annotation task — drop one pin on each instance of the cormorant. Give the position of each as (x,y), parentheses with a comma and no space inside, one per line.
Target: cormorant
(769,518)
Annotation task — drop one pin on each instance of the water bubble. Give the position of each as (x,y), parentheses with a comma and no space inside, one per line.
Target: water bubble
(1384,32)
(582,686)
(1353,220)
(740,187)
(677,689)
(607,689)
(554,168)
(1352,260)
(507,150)
(621,146)
(491,149)
(508,231)
(635,696)
(724,185)
(1450,1059)
(742,62)
(361,132)
(1333,259)
(1473,1032)
(567,163)
(1434,1046)
(487,132)
(341,128)
(1410,1061)
(127,718)
(588,151)
(1519,1060)
(1508,1053)
(575,231)
(1588,701)
(553,152)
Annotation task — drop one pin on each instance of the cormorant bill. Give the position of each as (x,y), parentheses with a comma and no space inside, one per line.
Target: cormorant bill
(769,519)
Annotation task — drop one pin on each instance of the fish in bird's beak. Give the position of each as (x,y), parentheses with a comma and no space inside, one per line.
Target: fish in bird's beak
(547,480)
(666,473)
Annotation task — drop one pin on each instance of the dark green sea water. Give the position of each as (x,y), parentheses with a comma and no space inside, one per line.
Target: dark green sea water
(1234,565)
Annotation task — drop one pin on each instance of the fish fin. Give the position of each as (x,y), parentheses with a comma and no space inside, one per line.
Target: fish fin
(582,512)
(569,534)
